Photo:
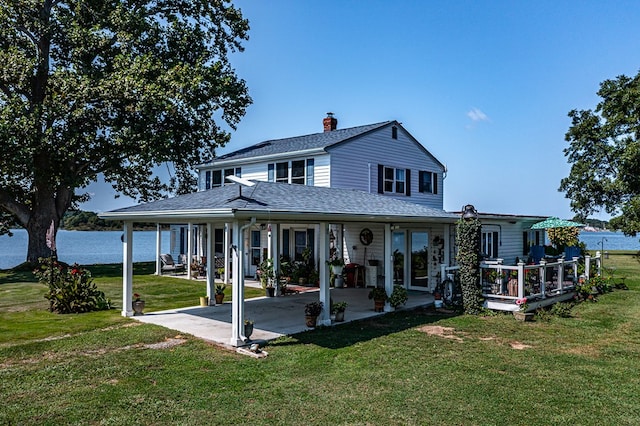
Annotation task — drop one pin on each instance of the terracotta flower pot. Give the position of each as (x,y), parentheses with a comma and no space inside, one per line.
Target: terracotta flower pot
(378,305)
(311,320)
(219,298)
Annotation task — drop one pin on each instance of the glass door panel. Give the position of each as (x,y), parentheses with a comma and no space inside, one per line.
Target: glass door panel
(419,267)
(399,248)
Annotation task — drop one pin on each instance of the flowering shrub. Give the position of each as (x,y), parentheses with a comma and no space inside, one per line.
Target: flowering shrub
(523,304)
(71,288)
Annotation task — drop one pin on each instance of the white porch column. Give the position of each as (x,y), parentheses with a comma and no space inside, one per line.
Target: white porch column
(520,280)
(274,231)
(325,288)
(227,244)
(211,273)
(189,248)
(127,269)
(237,304)
(158,248)
(388,264)
(447,249)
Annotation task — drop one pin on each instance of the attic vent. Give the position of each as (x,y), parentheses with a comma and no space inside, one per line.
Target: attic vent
(394,132)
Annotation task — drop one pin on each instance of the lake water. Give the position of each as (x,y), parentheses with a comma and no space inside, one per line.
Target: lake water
(89,247)
(84,247)
(609,241)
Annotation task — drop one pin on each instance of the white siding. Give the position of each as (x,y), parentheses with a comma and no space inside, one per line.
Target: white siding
(355,164)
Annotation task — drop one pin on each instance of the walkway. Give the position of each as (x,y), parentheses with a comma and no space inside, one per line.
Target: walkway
(274,316)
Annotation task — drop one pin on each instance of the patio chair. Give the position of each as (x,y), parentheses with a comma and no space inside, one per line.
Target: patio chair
(168,265)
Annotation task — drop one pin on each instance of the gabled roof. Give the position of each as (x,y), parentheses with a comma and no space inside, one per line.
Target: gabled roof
(281,201)
(299,143)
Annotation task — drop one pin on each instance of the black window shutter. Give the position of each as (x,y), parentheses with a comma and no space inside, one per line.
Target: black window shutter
(407,184)
(495,244)
(380,178)
(421,181)
(434,178)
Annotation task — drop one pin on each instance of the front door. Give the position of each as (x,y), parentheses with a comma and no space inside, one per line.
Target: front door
(419,262)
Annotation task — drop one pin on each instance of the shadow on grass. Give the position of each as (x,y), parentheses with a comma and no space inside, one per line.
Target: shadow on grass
(114,270)
(364,330)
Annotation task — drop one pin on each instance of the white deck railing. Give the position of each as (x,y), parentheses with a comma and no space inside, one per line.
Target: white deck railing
(512,282)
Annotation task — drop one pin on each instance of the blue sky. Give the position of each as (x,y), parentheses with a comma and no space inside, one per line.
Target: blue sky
(484,85)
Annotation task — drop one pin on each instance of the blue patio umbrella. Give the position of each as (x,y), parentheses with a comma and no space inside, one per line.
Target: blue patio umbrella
(554,222)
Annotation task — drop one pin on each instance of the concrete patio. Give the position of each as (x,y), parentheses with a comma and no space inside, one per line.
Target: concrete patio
(274,316)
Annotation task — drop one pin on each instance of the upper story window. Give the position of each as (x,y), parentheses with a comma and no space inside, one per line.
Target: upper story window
(394,132)
(394,180)
(298,172)
(428,182)
(214,178)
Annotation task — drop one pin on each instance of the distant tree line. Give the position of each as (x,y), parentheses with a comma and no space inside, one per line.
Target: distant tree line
(79,220)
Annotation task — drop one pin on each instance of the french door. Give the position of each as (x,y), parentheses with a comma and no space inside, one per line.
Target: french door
(411,259)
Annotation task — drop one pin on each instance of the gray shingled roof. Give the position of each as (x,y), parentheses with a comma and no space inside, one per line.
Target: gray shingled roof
(280,198)
(300,143)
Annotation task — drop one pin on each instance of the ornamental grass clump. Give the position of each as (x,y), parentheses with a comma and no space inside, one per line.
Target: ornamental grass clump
(71,289)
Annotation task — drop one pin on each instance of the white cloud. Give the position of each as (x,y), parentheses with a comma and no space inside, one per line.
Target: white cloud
(476,115)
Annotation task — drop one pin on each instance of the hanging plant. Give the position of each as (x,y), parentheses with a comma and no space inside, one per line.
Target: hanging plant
(468,258)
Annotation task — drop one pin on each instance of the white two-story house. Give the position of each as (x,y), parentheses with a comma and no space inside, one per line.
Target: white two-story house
(381,158)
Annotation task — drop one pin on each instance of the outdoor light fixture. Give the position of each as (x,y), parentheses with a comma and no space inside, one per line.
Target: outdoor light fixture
(469,212)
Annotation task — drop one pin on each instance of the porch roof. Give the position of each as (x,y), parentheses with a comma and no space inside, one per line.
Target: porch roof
(280,201)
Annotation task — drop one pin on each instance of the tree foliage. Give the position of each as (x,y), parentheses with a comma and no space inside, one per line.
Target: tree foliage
(468,258)
(604,153)
(564,237)
(92,88)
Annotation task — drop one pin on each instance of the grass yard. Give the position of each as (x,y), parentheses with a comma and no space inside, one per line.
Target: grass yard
(409,367)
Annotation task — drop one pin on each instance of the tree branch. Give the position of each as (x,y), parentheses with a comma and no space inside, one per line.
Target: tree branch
(19,210)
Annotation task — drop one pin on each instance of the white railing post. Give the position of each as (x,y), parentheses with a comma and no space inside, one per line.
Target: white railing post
(520,280)
(560,274)
(543,278)
(587,265)
(575,269)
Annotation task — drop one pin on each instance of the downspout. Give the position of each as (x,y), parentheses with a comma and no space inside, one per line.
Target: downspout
(369,166)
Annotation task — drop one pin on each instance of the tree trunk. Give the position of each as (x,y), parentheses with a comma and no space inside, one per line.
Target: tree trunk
(37,228)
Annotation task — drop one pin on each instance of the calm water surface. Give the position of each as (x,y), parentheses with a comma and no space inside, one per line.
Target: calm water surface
(84,247)
(89,247)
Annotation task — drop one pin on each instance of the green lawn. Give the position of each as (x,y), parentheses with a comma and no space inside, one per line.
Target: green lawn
(414,367)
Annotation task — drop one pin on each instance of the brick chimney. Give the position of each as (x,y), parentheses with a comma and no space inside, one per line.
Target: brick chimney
(330,123)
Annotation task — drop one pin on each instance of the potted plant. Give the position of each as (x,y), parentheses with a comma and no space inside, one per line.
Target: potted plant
(338,309)
(267,276)
(522,314)
(379,296)
(137,304)
(248,328)
(398,296)
(311,312)
(219,295)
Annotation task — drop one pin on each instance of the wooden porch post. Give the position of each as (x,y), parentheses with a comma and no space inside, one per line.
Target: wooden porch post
(189,248)
(158,248)
(127,269)
(211,273)
(325,290)
(227,242)
(388,265)
(237,303)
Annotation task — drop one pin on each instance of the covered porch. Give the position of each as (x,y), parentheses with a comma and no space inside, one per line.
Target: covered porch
(240,207)
(273,316)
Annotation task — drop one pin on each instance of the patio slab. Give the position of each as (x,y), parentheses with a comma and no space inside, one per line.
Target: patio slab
(274,316)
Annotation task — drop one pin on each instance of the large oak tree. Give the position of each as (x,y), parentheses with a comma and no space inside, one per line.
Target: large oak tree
(110,88)
(604,153)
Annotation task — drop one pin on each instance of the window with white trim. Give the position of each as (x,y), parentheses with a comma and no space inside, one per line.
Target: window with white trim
(394,180)
(298,172)
(214,178)
(489,244)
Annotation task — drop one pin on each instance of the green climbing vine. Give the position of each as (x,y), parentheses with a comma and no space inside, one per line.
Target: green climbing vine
(468,258)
